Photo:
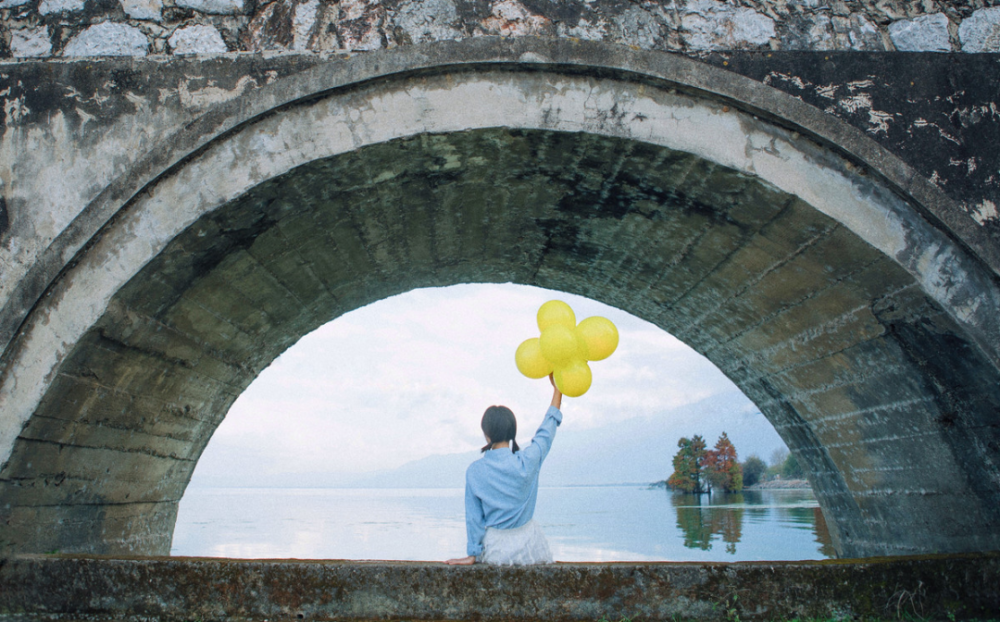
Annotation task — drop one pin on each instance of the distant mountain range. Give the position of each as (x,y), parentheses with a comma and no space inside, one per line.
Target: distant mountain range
(637,450)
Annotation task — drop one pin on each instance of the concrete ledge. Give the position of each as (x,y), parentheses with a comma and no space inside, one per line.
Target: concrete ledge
(94,588)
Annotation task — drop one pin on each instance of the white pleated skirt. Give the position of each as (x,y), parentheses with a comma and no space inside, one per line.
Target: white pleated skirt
(522,546)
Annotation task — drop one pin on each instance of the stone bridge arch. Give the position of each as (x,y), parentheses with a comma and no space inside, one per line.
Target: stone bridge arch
(814,268)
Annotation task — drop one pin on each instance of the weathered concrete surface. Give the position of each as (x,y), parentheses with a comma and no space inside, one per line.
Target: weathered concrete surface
(235,204)
(67,588)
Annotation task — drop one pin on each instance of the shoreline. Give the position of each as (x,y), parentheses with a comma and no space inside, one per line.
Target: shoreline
(778,484)
(782,484)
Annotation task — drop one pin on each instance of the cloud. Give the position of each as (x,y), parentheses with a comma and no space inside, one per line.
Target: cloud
(410,376)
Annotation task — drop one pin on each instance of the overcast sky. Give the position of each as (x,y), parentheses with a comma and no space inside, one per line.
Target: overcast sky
(410,376)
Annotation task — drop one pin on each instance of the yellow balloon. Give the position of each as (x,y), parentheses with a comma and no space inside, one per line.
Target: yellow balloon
(556,313)
(558,344)
(530,360)
(600,336)
(574,378)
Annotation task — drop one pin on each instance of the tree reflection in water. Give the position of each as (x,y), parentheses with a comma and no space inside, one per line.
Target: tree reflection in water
(705,518)
(700,522)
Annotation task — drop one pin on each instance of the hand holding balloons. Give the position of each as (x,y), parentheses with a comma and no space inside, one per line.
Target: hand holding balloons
(564,347)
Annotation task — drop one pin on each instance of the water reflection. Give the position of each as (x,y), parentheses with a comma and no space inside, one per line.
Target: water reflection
(700,522)
(703,519)
(599,523)
(823,534)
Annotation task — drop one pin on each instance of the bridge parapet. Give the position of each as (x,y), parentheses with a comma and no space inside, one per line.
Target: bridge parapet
(958,587)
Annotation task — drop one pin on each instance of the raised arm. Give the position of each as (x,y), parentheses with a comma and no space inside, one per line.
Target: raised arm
(533,455)
(556,394)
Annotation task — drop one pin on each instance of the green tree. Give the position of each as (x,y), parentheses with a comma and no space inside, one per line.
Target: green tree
(735,477)
(778,457)
(687,465)
(722,469)
(753,470)
(791,469)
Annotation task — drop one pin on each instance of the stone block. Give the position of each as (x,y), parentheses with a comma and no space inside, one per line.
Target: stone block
(105,436)
(778,290)
(213,7)
(73,398)
(359,24)
(428,20)
(636,26)
(980,32)
(10,4)
(82,401)
(271,27)
(256,284)
(712,25)
(325,261)
(284,25)
(792,338)
(181,416)
(510,18)
(137,373)
(819,31)
(724,282)
(30,42)
(862,34)
(304,21)
(826,255)
(123,529)
(701,258)
(295,275)
(927,33)
(197,39)
(143,9)
(412,221)
(234,318)
(151,297)
(137,331)
(795,227)
(759,203)
(143,333)
(97,464)
(108,39)
(48,7)
(72,491)
(719,187)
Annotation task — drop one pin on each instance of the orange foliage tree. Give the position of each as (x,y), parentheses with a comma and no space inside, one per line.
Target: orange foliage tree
(722,469)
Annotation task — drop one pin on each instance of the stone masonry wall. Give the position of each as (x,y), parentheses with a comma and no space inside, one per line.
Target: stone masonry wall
(75,28)
(50,588)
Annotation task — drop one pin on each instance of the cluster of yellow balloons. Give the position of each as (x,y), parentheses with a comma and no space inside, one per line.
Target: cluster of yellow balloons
(564,347)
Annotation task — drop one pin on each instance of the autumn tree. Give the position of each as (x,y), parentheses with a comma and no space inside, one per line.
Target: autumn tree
(688,464)
(722,469)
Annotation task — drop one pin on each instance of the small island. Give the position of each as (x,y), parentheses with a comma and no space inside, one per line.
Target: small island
(698,470)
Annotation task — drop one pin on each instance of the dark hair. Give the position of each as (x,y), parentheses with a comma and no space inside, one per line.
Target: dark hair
(499,425)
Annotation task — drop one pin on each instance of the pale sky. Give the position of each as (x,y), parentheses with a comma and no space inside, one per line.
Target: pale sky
(410,376)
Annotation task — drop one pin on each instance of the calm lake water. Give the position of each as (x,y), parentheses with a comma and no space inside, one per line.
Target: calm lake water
(585,523)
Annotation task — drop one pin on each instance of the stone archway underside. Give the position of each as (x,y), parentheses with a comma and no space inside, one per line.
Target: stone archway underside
(870,383)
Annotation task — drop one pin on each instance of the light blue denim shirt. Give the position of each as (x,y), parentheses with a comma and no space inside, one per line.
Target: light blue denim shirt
(502,486)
